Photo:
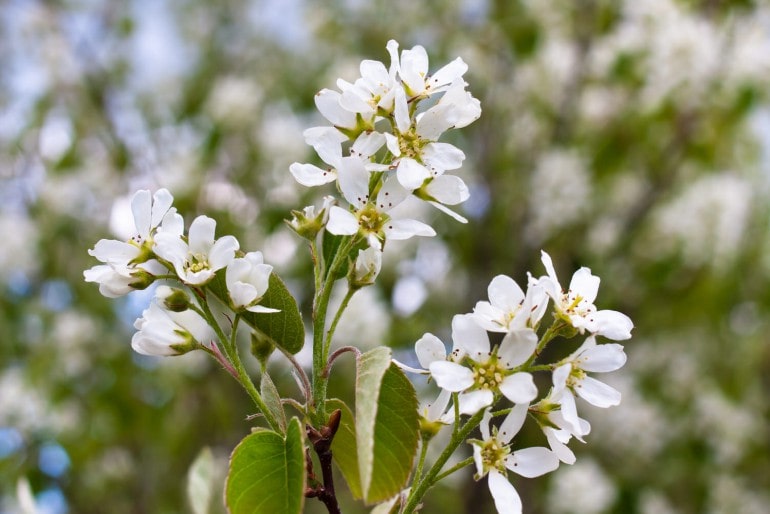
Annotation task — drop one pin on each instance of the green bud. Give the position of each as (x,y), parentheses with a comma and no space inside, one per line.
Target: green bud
(261,348)
(143,279)
(175,300)
(429,428)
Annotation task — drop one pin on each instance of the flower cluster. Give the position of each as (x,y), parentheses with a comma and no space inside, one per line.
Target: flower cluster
(382,147)
(159,250)
(479,374)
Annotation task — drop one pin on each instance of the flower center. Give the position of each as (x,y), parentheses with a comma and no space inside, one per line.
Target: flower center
(493,454)
(573,304)
(489,375)
(371,220)
(197,262)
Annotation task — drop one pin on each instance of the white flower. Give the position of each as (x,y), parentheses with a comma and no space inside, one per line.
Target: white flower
(128,265)
(576,305)
(570,378)
(412,68)
(197,260)
(327,142)
(493,457)
(374,91)
(247,279)
(162,332)
(508,307)
(371,218)
(477,373)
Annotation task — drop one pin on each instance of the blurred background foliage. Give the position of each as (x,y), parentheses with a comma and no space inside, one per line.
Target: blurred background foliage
(631,137)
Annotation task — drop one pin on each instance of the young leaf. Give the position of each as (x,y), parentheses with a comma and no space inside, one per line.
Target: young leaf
(344,450)
(285,328)
(386,425)
(272,399)
(267,473)
(200,479)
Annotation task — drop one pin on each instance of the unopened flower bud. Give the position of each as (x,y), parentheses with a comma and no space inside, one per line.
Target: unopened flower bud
(366,268)
(307,223)
(261,348)
(141,279)
(175,300)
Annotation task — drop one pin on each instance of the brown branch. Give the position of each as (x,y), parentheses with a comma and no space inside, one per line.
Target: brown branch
(322,444)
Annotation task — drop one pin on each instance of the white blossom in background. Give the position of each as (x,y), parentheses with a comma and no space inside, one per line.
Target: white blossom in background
(583,488)
(197,259)
(19,249)
(560,194)
(576,306)
(493,458)
(367,314)
(707,222)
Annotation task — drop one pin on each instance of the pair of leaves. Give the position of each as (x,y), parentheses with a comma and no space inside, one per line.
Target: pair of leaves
(375,450)
(285,328)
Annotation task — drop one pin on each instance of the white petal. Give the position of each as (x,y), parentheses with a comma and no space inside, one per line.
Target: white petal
(443,156)
(473,401)
(327,142)
(223,252)
(341,222)
(451,376)
(585,284)
(328,103)
(602,358)
(517,347)
(450,212)
(448,74)
(558,447)
(448,189)
(391,142)
(560,376)
(613,325)
(597,393)
(354,181)
(261,309)
(391,194)
(172,223)
(201,235)
(504,293)
(141,208)
(367,144)
(548,264)
(161,203)
(113,251)
(468,336)
(438,407)
(519,388)
(404,229)
(532,462)
(569,412)
(411,174)
(429,348)
(311,175)
(513,422)
(506,498)
(488,317)
(401,112)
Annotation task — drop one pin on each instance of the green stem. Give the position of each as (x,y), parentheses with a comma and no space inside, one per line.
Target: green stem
(320,305)
(231,352)
(421,461)
(432,476)
(549,334)
(336,320)
(457,467)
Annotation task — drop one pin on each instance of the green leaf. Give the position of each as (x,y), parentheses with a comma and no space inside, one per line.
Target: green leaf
(272,399)
(200,482)
(329,247)
(284,329)
(386,425)
(344,451)
(267,473)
